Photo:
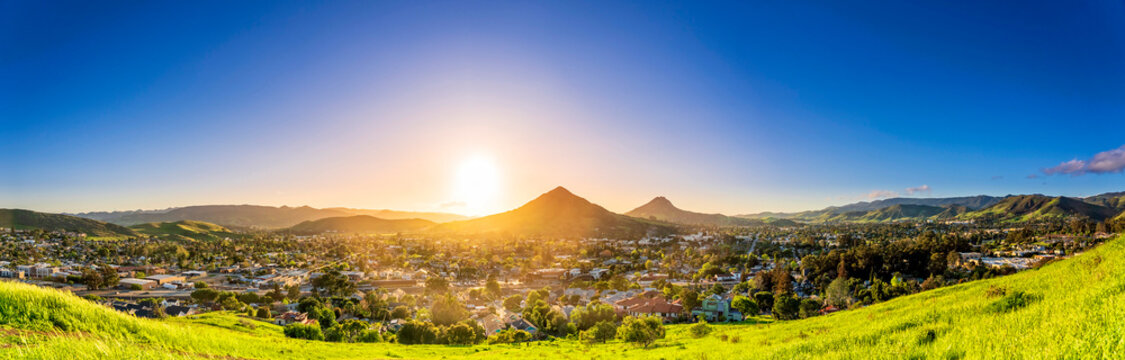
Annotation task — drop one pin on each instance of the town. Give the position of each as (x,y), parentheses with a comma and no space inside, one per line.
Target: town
(416,288)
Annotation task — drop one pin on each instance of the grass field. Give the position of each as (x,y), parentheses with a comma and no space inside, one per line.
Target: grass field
(1069,309)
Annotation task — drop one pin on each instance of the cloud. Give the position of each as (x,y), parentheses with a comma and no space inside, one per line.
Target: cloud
(881,194)
(453,204)
(1105,162)
(1032,176)
(918,189)
(997,177)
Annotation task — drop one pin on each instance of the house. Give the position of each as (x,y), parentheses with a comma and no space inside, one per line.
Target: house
(293,317)
(491,324)
(656,306)
(10,273)
(194,274)
(715,308)
(178,310)
(130,283)
(166,279)
(522,324)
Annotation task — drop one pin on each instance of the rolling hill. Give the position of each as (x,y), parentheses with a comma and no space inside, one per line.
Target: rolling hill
(860,209)
(1115,200)
(661,209)
(1068,309)
(1041,207)
(185,229)
(901,212)
(557,213)
(253,216)
(27,219)
(360,224)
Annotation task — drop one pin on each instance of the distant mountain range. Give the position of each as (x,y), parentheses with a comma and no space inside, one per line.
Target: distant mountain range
(558,213)
(1007,208)
(254,216)
(363,224)
(661,209)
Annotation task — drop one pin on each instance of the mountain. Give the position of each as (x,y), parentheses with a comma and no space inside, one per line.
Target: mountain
(27,219)
(1042,207)
(253,216)
(1115,200)
(436,217)
(360,224)
(558,213)
(185,229)
(859,209)
(661,209)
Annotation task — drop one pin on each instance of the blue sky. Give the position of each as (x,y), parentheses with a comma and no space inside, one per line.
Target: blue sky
(722,107)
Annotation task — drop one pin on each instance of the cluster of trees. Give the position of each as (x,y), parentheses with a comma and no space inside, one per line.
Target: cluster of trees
(100,278)
(466,332)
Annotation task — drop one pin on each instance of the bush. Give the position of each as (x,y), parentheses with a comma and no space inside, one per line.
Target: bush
(460,334)
(699,329)
(264,313)
(509,336)
(642,330)
(302,331)
(995,291)
(786,306)
(600,332)
(417,332)
(370,336)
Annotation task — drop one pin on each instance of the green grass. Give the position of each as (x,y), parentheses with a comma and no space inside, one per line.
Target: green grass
(185,229)
(1068,309)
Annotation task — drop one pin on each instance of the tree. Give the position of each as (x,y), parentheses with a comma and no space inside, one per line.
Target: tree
(493,288)
(593,313)
(293,293)
(376,306)
(600,332)
(509,336)
(512,303)
(307,305)
(92,279)
(839,294)
(264,313)
(400,312)
(302,331)
(747,306)
(204,295)
(642,330)
(447,310)
(201,285)
(460,334)
(937,264)
(370,336)
(782,280)
(417,332)
(786,306)
(743,288)
(109,276)
(437,285)
(809,308)
(718,289)
(764,300)
(689,299)
(334,283)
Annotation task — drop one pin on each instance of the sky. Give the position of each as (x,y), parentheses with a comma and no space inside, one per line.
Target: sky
(477,107)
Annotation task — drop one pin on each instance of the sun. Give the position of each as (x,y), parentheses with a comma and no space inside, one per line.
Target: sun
(476,185)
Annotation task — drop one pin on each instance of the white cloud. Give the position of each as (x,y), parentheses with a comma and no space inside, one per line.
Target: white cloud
(881,194)
(918,189)
(1105,162)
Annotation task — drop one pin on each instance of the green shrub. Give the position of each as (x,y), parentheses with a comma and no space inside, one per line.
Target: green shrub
(302,331)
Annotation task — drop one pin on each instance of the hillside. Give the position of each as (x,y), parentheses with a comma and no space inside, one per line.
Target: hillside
(661,209)
(436,217)
(1041,207)
(971,202)
(901,212)
(27,219)
(557,213)
(185,229)
(1115,200)
(254,216)
(360,224)
(1068,309)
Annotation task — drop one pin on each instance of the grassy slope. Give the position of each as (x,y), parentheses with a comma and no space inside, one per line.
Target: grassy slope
(1078,316)
(27,219)
(185,229)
